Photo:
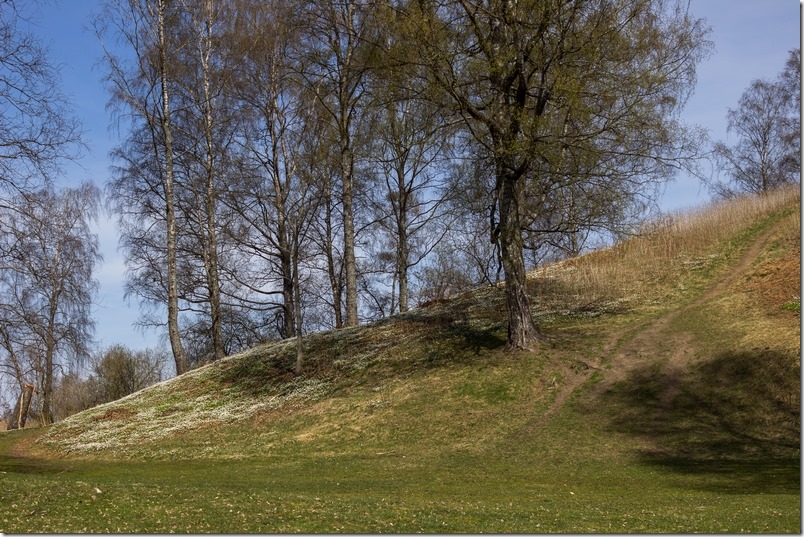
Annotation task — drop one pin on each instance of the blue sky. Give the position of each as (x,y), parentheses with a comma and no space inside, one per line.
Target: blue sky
(752,38)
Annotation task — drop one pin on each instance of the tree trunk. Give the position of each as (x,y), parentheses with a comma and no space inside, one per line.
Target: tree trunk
(402,259)
(285,254)
(332,270)
(47,389)
(179,355)
(298,368)
(522,331)
(288,308)
(350,263)
(285,261)
(211,257)
(213,277)
(50,349)
(403,288)
(20,414)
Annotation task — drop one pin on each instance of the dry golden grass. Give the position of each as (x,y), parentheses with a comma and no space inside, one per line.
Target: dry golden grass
(753,309)
(662,261)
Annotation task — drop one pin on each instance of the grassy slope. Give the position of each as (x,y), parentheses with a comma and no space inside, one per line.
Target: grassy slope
(665,398)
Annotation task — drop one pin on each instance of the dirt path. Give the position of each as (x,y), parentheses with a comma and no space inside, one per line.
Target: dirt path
(657,342)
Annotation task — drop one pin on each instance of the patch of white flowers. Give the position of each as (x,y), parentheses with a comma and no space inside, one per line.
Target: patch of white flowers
(153,414)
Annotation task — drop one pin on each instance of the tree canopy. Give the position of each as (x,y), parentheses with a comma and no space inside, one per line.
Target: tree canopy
(567,100)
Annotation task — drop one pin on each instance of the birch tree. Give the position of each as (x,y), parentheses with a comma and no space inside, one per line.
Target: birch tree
(342,41)
(144,192)
(767,124)
(38,131)
(47,285)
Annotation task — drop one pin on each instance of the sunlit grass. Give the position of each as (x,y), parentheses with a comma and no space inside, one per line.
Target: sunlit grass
(524,487)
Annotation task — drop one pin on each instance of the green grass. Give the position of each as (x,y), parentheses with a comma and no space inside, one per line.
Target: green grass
(422,423)
(523,487)
(793,305)
(519,491)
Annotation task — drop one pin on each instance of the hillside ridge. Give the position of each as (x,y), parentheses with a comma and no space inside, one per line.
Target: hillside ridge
(627,356)
(464,331)
(664,398)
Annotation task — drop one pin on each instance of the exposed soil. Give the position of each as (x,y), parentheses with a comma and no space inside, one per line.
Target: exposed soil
(774,283)
(657,342)
(116,414)
(659,345)
(685,402)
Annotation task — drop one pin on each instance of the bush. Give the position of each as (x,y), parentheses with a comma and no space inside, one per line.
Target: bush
(117,372)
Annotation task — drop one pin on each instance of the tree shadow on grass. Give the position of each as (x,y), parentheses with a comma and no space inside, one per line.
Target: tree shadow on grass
(27,465)
(758,476)
(418,340)
(443,340)
(731,423)
(470,338)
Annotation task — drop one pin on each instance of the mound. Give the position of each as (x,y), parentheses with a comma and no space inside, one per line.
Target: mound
(647,329)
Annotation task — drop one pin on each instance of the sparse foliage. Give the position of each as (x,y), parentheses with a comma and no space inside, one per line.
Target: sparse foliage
(556,95)
(341,44)
(46,286)
(287,159)
(767,123)
(144,193)
(37,129)
(410,194)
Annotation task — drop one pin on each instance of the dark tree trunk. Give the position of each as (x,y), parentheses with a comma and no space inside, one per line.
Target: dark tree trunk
(288,295)
(349,260)
(332,268)
(402,239)
(522,331)
(298,368)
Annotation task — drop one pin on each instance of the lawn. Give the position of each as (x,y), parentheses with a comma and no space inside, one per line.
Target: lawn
(296,489)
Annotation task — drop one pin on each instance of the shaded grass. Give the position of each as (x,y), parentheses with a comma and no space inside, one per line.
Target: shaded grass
(735,406)
(457,449)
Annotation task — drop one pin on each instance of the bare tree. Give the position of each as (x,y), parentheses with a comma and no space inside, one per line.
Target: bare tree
(47,285)
(141,90)
(209,127)
(411,159)
(328,233)
(264,191)
(37,129)
(767,123)
(790,80)
(342,39)
(71,395)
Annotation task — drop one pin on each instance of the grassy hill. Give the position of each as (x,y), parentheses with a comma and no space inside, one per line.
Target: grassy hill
(664,396)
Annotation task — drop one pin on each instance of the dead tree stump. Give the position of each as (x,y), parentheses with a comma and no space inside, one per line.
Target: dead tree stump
(20,414)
